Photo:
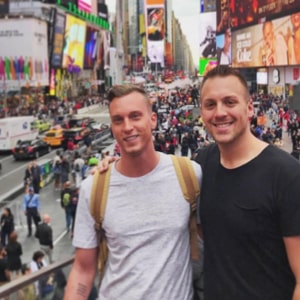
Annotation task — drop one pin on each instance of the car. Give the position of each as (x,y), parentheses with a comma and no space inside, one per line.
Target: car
(30,149)
(77,135)
(54,136)
(40,125)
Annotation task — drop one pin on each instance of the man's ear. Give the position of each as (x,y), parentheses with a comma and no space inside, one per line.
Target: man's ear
(154,120)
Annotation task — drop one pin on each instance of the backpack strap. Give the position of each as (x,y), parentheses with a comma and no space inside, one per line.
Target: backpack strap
(97,207)
(191,190)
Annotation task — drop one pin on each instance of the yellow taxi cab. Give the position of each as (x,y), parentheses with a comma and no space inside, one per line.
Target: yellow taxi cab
(54,136)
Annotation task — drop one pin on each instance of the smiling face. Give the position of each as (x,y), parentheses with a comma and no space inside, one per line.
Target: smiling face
(226,110)
(132,122)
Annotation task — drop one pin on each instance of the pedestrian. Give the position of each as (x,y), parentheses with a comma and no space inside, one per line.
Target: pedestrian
(78,164)
(44,287)
(4,271)
(65,170)
(28,176)
(66,203)
(31,208)
(147,228)
(36,176)
(249,207)
(56,168)
(45,236)
(7,224)
(73,208)
(14,252)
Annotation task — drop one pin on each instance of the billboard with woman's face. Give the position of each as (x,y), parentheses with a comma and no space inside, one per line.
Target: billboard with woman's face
(155,31)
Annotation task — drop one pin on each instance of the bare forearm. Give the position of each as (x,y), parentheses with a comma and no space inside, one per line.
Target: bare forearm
(79,284)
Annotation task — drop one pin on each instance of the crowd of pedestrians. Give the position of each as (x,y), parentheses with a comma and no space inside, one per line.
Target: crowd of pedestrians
(177,128)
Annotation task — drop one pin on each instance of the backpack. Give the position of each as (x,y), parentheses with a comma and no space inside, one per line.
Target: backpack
(66,199)
(190,189)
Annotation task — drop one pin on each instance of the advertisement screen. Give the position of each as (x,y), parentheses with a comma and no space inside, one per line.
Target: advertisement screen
(224,48)
(206,64)
(74,43)
(90,49)
(155,26)
(207,35)
(85,5)
(24,52)
(58,41)
(269,44)
(241,13)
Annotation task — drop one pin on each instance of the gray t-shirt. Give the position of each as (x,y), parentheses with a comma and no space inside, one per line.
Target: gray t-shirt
(146,224)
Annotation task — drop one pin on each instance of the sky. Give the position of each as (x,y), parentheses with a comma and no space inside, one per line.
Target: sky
(186,11)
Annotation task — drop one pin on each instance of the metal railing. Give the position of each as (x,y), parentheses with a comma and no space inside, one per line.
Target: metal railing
(12,288)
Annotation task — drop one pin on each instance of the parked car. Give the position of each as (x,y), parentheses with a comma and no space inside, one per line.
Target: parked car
(40,125)
(30,149)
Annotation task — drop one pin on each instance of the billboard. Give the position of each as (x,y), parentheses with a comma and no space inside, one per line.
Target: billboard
(223,42)
(58,40)
(155,31)
(24,53)
(241,13)
(85,5)
(90,48)
(206,64)
(102,11)
(74,42)
(207,35)
(269,44)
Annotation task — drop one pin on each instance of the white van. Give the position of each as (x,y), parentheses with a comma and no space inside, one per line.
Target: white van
(14,129)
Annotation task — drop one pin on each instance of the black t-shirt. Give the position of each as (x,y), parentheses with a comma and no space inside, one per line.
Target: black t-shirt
(245,213)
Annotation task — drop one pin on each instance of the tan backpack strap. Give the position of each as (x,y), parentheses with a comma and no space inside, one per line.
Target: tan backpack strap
(191,190)
(99,195)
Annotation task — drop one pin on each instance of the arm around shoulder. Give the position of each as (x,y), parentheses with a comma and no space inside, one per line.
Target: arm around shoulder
(81,278)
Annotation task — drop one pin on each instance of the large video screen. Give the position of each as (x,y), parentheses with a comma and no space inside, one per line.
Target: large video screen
(268,44)
(241,13)
(74,43)
(90,51)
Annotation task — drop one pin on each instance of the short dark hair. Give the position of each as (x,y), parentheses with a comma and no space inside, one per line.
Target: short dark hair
(37,254)
(224,71)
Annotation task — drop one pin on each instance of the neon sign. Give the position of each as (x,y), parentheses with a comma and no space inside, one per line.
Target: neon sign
(73,9)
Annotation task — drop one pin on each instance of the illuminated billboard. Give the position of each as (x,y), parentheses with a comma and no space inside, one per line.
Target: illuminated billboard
(206,64)
(90,49)
(269,44)
(24,52)
(74,43)
(155,31)
(58,40)
(85,5)
(207,35)
(241,13)
(223,41)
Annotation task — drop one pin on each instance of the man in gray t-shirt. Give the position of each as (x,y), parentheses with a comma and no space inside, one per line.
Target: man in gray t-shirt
(146,219)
